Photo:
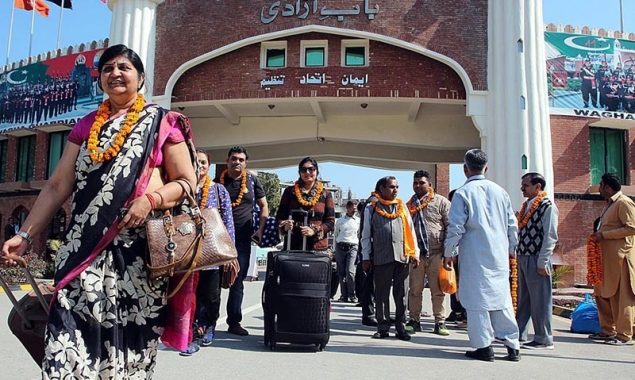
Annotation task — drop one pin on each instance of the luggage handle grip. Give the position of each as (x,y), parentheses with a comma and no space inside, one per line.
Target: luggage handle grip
(36,289)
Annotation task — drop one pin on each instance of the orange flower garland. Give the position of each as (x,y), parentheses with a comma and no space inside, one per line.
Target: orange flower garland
(513,266)
(243,187)
(205,195)
(385,214)
(413,210)
(103,113)
(314,200)
(527,215)
(594,274)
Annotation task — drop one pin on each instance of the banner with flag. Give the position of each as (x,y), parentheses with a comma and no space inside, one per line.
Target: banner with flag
(590,76)
(40,6)
(54,91)
(68,4)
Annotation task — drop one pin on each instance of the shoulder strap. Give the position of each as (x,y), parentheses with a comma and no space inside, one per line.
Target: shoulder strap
(219,201)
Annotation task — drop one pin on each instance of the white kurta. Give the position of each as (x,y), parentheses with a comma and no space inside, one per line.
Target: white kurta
(482,225)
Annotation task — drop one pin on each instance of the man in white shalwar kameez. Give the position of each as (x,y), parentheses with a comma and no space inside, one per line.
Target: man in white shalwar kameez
(483,233)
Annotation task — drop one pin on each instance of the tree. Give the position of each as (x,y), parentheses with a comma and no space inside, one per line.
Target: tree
(271,184)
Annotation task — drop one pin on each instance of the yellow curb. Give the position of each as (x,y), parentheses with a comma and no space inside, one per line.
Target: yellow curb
(26,287)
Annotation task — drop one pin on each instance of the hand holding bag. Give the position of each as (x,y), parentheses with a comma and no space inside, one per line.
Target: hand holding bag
(187,242)
(447,280)
(29,316)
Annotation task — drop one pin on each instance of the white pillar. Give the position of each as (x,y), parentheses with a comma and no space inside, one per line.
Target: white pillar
(134,25)
(516,122)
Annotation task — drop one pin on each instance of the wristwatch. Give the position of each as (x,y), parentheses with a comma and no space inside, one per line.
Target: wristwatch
(26,236)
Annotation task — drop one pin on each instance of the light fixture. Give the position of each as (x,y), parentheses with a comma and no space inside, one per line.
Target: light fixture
(271,106)
(364,105)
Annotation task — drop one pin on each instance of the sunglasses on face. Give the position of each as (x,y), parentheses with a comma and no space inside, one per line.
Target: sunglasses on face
(307,169)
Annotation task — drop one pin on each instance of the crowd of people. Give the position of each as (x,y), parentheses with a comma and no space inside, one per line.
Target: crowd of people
(36,103)
(129,159)
(606,88)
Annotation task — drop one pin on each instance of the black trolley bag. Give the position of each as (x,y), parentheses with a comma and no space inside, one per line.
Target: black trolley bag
(296,295)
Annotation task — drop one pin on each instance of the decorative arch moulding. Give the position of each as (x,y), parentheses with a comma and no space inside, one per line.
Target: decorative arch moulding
(587,30)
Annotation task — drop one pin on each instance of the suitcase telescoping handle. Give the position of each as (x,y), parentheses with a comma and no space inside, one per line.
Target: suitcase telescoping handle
(36,289)
(305,215)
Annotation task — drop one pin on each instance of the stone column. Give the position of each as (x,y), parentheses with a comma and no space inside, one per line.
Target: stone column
(515,128)
(134,25)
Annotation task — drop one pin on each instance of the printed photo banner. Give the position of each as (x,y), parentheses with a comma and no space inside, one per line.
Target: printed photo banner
(53,91)
(590,76)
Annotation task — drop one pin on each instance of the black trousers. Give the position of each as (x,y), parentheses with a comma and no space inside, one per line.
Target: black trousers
(208,297)
(365,289)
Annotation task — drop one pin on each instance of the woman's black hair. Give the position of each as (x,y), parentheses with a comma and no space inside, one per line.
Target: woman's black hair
(124,51)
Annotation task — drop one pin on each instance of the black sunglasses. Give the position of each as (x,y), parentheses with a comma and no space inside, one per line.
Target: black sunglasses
(307,169)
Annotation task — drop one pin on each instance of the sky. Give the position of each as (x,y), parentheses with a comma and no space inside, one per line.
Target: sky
(90,20)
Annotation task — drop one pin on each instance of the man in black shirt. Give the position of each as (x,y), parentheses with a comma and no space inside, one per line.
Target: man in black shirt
(244,190)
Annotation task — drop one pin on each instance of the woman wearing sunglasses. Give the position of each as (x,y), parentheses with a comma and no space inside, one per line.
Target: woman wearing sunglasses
(308,194)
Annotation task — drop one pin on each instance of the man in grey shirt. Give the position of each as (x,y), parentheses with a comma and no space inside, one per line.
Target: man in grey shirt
(537,238)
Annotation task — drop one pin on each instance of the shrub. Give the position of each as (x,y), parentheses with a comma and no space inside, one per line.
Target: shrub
(38,267)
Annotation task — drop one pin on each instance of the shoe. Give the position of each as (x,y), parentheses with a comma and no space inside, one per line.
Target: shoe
(191,349)
(413,326)
(617,342)
(369,322)
(452,317)
(208,338)
(352,299)
(533,345)
(513,355)
(600,336)
(343,300)
(237,329)
(485,354)
(440,329)
(380,335)
(403,336)
(359,304)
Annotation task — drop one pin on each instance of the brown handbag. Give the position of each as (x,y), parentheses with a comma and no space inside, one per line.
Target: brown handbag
(188,242)
(29,316)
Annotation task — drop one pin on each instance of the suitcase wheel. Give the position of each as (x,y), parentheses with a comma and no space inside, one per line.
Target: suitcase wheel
(272,345)
(320,346)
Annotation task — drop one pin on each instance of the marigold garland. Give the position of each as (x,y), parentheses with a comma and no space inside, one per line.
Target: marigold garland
(413,210)
(103,113)
(384,202)
(594,274)
(513,266)
(319,187)
(205,189)
(527,215)
(243,187)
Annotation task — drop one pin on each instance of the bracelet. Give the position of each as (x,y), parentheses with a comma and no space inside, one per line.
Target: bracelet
(160,197)
(26,237)
(153,203)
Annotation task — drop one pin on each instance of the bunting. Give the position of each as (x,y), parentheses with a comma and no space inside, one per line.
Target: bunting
(68,4)
(27,5)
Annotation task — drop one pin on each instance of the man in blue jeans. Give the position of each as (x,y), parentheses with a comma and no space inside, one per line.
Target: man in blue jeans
(244,191)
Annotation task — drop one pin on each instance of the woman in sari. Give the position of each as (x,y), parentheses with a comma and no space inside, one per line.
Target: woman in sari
(308,194)
(107,314)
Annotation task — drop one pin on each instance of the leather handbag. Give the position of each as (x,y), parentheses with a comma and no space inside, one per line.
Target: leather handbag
(29,316)
(188,242)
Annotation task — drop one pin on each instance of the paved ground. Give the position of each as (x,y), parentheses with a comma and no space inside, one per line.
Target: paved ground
(351,354)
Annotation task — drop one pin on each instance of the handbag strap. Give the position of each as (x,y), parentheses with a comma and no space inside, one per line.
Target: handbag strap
(198,242)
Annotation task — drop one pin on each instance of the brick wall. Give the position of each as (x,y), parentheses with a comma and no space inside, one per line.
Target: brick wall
(442,180)
(392,71)
(454,28)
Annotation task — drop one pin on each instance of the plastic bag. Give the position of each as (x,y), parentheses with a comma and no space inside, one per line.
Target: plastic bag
(585,319)
(447,280)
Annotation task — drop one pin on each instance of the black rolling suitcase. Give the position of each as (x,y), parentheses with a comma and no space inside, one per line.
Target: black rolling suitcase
(296,296)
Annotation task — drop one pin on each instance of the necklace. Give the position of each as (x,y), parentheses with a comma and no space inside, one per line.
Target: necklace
(205,194)
(413,210)
(384,202)
(243,187)
(527,215)
(103,113)
(319,187)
